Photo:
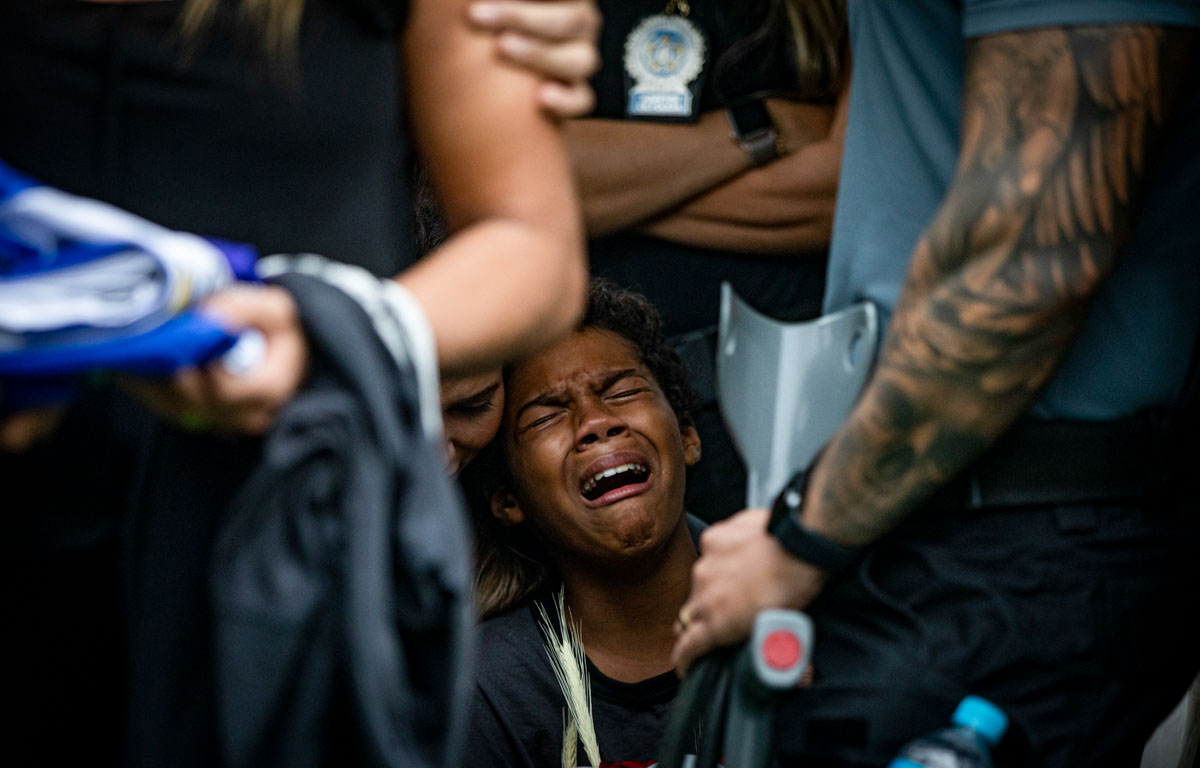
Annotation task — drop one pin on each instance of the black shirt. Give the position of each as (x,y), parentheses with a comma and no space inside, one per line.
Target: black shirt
(516,716)
(103,100)
(684,281)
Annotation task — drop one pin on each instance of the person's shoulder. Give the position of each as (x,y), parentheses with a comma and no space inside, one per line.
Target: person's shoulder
(510,645)
(515,623)
(984,17)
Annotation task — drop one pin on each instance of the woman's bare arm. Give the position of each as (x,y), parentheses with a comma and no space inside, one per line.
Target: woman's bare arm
(512,275)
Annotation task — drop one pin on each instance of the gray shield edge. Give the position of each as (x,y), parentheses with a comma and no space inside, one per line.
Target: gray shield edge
(784,388)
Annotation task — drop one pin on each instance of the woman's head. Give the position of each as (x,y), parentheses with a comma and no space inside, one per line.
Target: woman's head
(471,411)
(588,467)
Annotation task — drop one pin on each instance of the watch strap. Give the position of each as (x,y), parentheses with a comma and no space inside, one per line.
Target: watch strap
(754,132)
(803,543)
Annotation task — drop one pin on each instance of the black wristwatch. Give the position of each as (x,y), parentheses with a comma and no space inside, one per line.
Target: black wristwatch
(807,545)
(754,131)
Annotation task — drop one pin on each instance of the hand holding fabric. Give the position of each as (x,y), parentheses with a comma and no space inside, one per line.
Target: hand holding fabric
(214,397)
(742,570)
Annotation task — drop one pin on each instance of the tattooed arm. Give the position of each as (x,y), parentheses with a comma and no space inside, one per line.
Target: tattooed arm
(1059,129)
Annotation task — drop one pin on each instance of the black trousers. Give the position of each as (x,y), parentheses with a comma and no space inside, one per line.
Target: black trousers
(1075,619)
(62,648)
(104,591)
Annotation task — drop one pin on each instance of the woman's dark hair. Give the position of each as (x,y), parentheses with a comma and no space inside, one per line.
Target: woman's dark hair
(510,563)
(820,36)
(797,51)
(275,22)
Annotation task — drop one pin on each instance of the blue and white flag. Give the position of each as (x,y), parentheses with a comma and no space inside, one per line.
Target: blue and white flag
(86,286)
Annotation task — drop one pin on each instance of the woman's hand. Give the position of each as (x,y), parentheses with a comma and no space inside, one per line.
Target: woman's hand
(218,399)
(555,39)
(19,431)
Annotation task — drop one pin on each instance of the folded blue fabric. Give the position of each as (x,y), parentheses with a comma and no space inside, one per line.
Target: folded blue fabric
(86,286)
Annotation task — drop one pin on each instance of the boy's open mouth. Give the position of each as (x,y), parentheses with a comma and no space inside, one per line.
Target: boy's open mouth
(604,481)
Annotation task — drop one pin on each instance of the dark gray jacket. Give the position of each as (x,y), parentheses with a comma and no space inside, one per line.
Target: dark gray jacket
(341,581)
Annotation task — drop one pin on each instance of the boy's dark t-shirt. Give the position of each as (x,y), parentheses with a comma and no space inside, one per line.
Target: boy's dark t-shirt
(517,711)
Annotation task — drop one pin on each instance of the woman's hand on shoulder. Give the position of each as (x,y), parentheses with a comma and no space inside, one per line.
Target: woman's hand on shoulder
(555,39)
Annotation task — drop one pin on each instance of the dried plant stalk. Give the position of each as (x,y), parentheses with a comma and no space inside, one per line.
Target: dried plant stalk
(569,662)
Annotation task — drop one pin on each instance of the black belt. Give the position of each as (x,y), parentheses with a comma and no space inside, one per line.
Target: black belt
(1036,463)
(1064,462)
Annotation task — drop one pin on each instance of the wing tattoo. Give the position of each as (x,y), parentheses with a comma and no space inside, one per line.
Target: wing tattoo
(1059,129)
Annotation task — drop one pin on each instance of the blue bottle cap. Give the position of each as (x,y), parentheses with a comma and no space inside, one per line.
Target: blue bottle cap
(981,716)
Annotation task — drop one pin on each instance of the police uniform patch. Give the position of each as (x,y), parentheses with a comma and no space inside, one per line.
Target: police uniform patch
(664,55)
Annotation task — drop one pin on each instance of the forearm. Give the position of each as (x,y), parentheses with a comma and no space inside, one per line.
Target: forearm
(783,207)
(802,237)
(786,206)
(1059,129)
(947,385)
(629,172)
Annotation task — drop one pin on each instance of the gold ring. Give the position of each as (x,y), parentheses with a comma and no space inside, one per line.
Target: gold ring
(685,617)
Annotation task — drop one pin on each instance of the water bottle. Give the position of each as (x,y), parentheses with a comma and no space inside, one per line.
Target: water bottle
(977,726)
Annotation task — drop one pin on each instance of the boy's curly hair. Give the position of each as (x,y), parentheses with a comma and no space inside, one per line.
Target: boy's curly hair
(631,316)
